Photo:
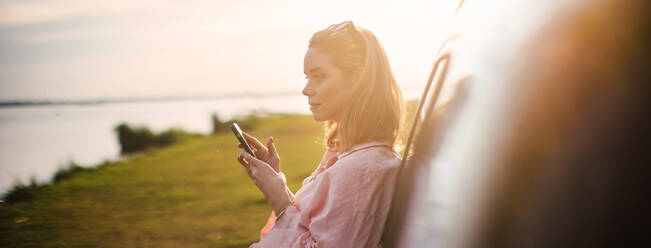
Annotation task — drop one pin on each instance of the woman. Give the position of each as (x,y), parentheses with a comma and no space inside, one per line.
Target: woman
(345,201)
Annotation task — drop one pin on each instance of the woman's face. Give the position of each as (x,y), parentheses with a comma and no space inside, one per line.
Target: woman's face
(327,88)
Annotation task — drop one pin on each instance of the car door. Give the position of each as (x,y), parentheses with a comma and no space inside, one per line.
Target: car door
(464,115)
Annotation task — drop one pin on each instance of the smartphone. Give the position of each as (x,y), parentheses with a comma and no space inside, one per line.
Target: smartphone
(238,133)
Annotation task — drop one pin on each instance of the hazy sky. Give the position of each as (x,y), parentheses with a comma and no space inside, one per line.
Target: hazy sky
(87,49)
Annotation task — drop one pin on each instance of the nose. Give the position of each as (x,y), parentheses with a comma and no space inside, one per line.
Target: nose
(308,91)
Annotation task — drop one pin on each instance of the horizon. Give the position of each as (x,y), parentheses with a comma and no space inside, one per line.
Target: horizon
(407,94)
(70,50)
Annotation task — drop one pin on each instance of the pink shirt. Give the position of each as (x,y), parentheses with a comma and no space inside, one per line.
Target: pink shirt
(344,203)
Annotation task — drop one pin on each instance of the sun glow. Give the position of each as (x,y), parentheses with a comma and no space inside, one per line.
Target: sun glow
(198,48)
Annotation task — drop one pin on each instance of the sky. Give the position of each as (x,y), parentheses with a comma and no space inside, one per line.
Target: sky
(91,49)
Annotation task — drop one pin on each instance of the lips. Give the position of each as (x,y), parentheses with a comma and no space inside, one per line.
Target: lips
(314,105)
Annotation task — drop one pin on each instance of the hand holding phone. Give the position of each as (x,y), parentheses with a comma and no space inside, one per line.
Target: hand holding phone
(238,133)
(267,154)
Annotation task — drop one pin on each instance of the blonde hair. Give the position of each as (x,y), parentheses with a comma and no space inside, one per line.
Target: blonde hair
(375,109)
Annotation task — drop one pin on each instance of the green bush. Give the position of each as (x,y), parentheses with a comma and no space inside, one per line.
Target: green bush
(135,139)
(169,137)
(69,171)
(219,126)
(247,122)
(22,192)
(27,192)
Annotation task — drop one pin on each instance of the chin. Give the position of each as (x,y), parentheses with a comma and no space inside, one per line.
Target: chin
(318,118)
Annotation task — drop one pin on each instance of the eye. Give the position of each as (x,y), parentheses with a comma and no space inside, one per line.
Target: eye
(316,76)
(319,76)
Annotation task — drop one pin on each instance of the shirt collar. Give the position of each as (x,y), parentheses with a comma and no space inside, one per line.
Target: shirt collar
(362,146)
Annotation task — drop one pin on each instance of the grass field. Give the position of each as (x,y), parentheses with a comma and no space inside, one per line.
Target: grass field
(193,194)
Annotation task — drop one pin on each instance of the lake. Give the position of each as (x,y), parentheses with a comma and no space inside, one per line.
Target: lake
(37,140)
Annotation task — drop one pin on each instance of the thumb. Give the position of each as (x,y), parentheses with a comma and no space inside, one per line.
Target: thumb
(252,160)
(272,147)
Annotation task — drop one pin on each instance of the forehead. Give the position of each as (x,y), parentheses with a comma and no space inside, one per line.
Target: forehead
(316,59)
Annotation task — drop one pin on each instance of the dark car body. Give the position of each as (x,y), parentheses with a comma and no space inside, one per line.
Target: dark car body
(534,131)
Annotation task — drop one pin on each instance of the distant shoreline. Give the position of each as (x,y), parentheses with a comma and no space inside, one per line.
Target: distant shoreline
(26,103)
(19,103)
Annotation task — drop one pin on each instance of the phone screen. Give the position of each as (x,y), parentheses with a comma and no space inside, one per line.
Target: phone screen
(238,133)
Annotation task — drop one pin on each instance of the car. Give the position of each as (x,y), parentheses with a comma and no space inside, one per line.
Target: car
(532,131)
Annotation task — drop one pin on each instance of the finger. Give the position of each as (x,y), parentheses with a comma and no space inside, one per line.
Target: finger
(242,147)
(272,147)
(250,159)
(242,162)
(258,166)
(254,142)
(240,158)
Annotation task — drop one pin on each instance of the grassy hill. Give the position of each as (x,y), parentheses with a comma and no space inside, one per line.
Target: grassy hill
(193,194)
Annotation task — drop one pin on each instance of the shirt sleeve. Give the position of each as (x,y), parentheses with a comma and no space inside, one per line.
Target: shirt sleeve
(271,221)
(348,207)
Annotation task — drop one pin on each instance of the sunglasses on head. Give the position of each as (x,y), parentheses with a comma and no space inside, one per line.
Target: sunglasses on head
(340,26)
(351,29)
